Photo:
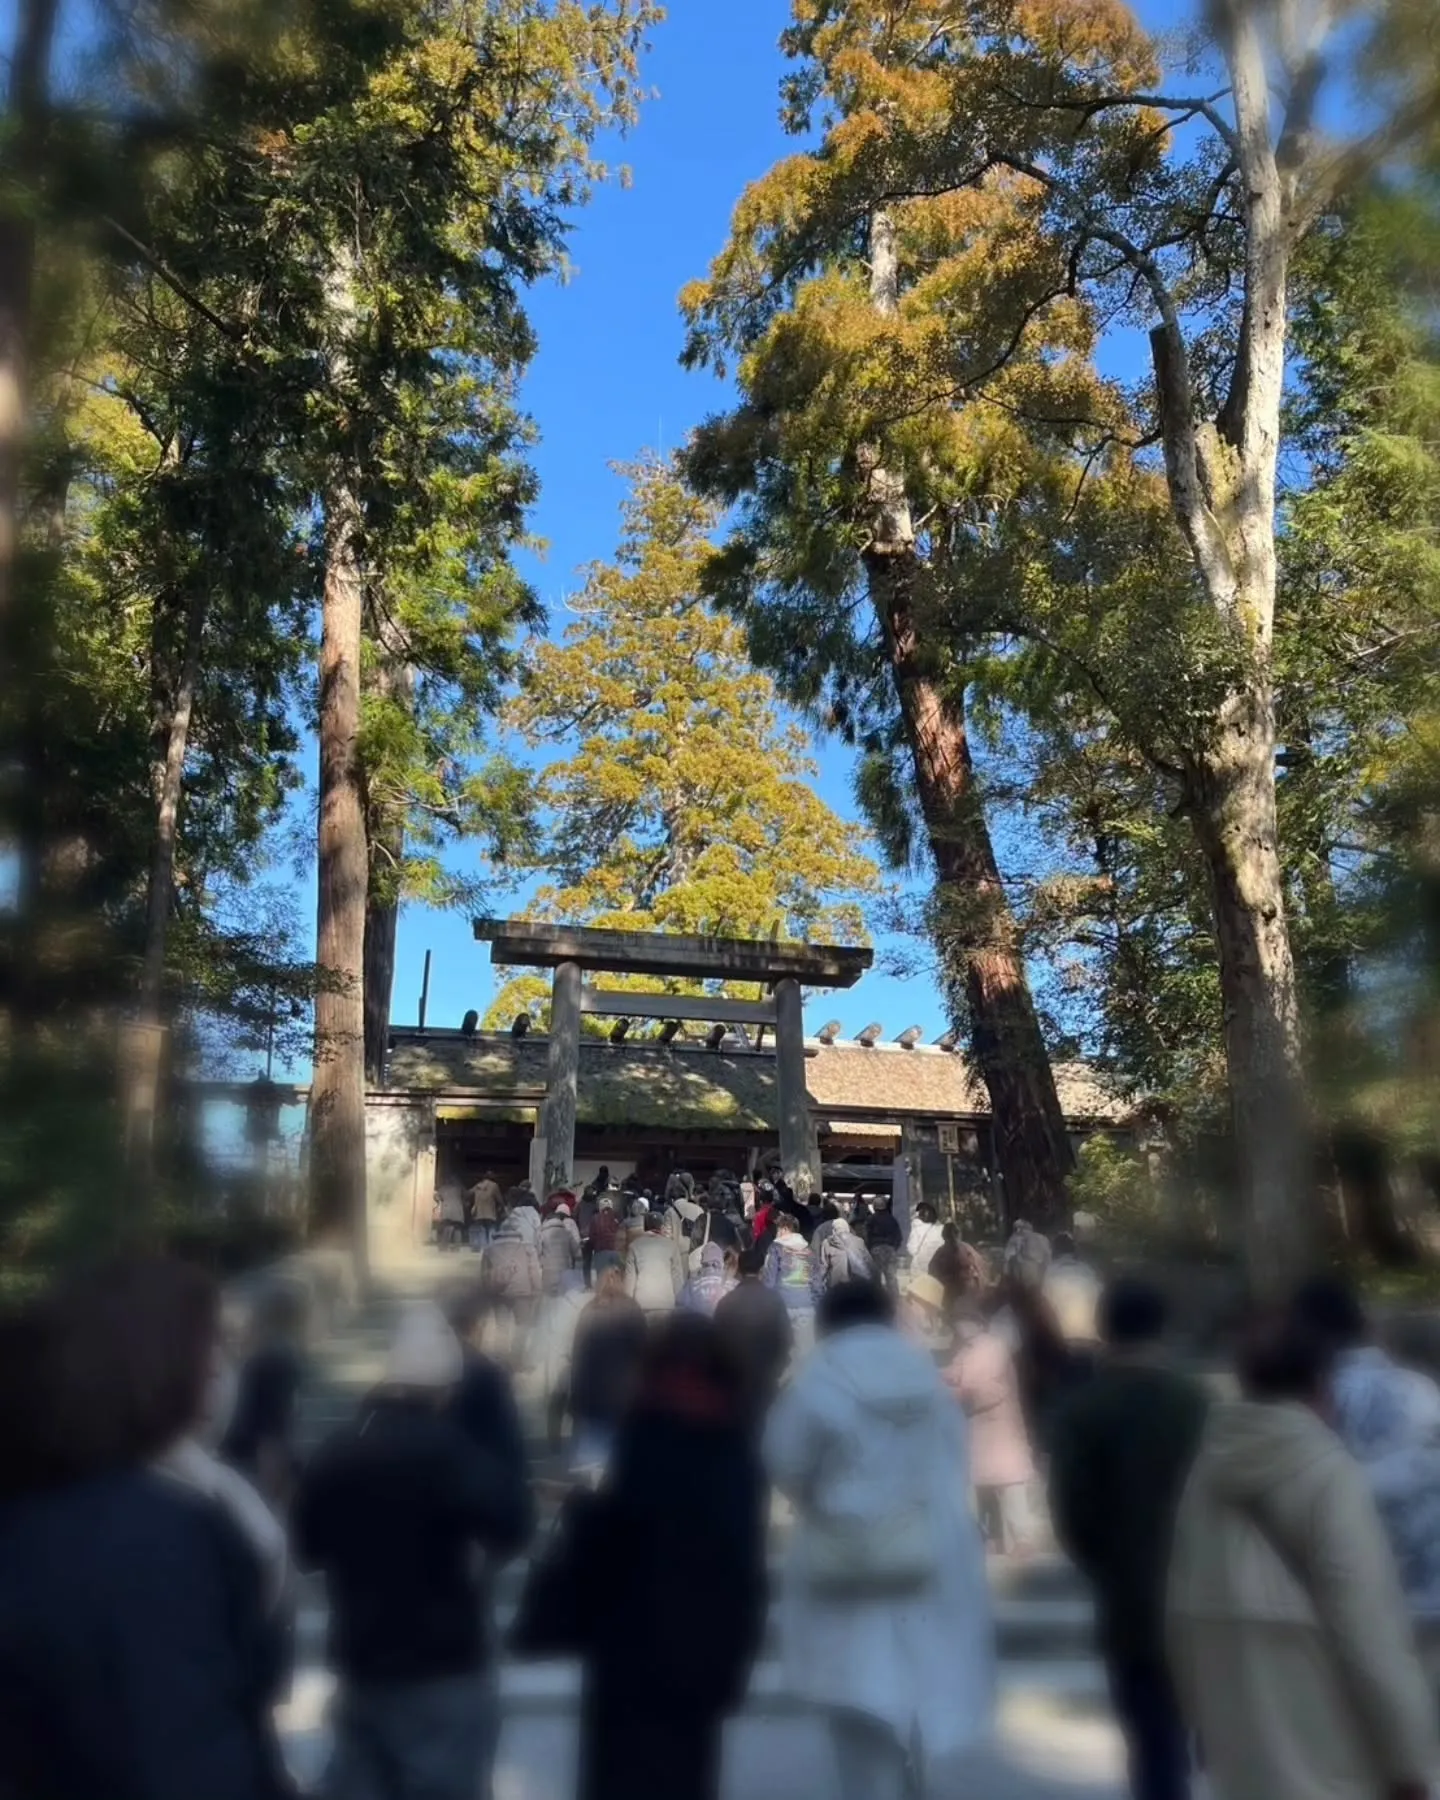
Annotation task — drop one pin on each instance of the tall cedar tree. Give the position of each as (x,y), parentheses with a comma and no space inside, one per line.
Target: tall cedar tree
(847,449)
(685,802)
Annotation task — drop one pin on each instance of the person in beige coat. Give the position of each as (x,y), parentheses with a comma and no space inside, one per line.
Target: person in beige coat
(1288,1636)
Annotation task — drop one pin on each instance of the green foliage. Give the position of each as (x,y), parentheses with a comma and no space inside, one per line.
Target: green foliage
(685,803)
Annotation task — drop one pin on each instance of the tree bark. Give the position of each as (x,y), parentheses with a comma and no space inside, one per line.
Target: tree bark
(385,835)
(382,919)
(1234,818)
(337,1093)
(168,791)
(1032,1146)
(27,104)
(144,1058)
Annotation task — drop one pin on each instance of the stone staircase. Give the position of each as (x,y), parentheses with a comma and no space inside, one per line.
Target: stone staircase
(1055,1733)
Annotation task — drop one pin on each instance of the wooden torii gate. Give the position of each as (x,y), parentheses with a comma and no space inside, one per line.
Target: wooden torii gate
(572,951)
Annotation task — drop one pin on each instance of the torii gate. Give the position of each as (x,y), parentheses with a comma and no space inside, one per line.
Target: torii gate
(571,950)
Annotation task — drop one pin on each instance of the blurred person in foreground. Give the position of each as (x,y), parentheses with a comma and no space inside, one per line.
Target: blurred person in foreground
(1121,1449)
(483,1403)
(392,1510)
(604,1367)
(1049,1367)
(259,1439)
(981,1376)
(1289,1641)
(511,1274)
(141,1647)
(885,1610)
(674,1638)
(1388,1418)
(1073,1289)
(755,1323)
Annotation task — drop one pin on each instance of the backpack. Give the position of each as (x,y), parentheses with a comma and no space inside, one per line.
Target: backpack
(844,1258)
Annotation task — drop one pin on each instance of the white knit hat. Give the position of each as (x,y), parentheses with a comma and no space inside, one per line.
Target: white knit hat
(425,1352)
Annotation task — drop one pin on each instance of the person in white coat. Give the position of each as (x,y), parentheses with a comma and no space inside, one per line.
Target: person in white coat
(884,1607)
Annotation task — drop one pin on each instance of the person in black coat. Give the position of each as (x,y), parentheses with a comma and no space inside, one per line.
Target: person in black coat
(392,1509)
(677,1630)
(138,1660)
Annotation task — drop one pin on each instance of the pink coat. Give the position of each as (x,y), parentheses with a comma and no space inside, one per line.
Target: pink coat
(982,1379)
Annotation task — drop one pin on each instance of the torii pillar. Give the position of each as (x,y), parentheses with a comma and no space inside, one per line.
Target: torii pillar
(799,1146)
(562,1080)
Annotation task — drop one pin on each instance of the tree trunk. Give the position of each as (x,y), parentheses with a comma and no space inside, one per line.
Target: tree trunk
(1234,817)
(1032,1146)
(385,836)
(169,789)
(27,105)
(146,1047)
(337,1093)
(382,919)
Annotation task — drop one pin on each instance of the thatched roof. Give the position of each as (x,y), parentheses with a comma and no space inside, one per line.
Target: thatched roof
(690,1087)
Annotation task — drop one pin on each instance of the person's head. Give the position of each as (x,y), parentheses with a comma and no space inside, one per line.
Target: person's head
(882,1202)
(752,1263)
(1132,1313)
(926,1213)
(132,1355)
(1064,1243)
(1281,1358)
(424,1362)
(563,1210)
(654,1221)
(690,1372)
(638,1208)
(1332,1308)
(609,1272)
(712,1258)
(829,1210)
(467,1310)
(853,1303)
(949,1234)
(602,1178)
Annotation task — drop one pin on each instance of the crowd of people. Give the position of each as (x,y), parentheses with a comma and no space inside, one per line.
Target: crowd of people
(1266,1566)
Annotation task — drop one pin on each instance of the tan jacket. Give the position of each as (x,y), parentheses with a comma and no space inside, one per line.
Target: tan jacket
(1289,1640)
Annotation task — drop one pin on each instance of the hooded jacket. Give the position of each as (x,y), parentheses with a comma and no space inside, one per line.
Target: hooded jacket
(865,1434)
(655,1271)
(1289,1640)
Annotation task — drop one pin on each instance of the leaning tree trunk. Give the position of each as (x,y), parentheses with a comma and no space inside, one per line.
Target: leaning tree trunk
(145,1036)
(337,1092)
(1032,1147)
